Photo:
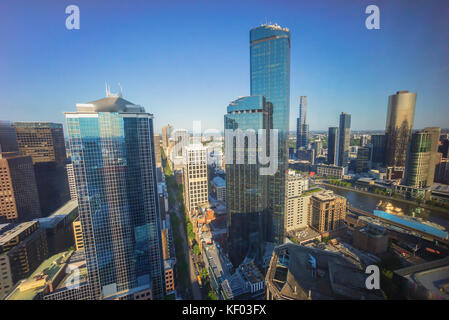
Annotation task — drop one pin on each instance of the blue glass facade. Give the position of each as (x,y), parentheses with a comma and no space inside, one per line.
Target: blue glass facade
(270,77)
(246,189)
(114,166)
(302,128)
(344,139)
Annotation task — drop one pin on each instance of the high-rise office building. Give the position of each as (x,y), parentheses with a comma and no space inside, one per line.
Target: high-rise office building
(316,146)
(113,159)
(297,203)
(157,150)
(246,189)
(302,128)
(195,177)
(166,134)
(44,143)
(443,148)
(71,179)
(270,77)
(363,159)
(332,145)
(378,149)
(398,129)
(181,138)
(417,169)
(8,137)
(19,199)
(435,156)
(344,139)
(442,171)
(328,211)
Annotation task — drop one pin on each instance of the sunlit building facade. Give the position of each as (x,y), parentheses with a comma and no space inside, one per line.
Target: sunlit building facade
(398,129)
(270,77)
(114,164)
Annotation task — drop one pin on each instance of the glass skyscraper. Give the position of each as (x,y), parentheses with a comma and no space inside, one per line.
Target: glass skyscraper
(302,128)
(398,129)
(270,77)
(418,160)
(332,145)
(344,139)
(113,159)
(246,189)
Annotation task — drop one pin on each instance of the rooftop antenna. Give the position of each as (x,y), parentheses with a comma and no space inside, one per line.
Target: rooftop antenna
(120,93)
(108,90)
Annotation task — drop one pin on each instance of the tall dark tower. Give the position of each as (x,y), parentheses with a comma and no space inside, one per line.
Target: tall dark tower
(344,139)
(332,145)
(302,128)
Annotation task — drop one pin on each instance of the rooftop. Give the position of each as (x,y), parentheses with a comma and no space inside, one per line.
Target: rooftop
(110,103)
(11,233)
(219,181)
(431,275)
(46,273)
(59,214)
(300,273)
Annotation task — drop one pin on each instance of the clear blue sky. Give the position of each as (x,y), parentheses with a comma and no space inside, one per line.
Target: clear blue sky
(186,60)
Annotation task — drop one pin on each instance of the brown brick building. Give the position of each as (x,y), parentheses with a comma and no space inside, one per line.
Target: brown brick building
(19,199)
(328,211)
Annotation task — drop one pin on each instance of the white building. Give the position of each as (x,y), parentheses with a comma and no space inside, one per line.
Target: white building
(297,204)
(195,177)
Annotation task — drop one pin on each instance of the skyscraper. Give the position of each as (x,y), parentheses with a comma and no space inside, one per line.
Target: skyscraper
(113,154)
(8,138)
(157,150)
(246,189)
(302,128)
(328,211)
(435,156)
(417,167)
(332,145)
(378,154)
(344,139)
(398,129)
(166,133)
(19,199)
(362,161)
(195,177)
(298,204)
(270,77)
(44,143)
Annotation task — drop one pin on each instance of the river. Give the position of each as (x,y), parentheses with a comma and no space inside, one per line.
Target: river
(370,203)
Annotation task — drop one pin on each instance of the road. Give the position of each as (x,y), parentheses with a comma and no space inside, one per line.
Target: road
(188,254)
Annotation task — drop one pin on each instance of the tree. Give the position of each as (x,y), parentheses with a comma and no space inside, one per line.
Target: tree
(211,295)
(196,250)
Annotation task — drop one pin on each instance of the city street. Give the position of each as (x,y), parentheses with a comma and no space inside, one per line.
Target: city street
(188,254)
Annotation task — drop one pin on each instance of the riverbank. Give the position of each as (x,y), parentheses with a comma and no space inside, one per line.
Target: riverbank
(380,196)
